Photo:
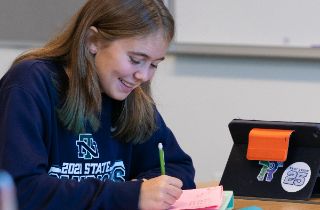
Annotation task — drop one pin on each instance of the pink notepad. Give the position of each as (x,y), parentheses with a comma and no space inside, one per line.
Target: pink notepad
(203,198)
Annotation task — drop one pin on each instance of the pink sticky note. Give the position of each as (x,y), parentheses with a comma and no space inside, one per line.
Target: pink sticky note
(200,198)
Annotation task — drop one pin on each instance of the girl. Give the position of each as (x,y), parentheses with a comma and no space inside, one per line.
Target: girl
(79,128)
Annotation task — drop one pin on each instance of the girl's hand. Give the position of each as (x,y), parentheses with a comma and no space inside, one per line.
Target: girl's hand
(159,192)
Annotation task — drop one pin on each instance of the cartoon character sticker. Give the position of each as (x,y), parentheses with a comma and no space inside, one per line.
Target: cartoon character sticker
(268,169)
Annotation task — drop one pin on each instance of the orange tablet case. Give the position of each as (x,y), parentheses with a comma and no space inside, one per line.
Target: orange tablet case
(268,144)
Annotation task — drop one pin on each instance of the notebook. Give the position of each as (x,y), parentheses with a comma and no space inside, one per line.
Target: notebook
(210,198)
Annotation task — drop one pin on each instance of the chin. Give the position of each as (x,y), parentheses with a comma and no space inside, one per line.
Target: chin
(119,97)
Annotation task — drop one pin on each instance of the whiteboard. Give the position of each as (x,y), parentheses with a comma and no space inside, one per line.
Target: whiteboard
(265,27)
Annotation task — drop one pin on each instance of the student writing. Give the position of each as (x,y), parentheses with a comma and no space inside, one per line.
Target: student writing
(79,128)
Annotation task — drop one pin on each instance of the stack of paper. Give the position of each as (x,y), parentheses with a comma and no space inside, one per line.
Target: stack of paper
(205,198)
(228,201)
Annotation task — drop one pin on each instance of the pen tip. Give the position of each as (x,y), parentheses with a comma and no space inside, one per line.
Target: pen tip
(160,145)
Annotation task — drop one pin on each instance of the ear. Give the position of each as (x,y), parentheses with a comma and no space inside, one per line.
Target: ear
(91,40)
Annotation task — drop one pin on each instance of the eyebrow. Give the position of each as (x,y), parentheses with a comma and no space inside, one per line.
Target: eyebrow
(145,55)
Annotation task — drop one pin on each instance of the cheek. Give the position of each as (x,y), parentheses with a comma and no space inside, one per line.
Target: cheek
(152,73)
(102,72)
(113,66)
(124,68)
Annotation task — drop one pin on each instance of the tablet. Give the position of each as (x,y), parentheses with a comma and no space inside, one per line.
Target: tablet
(294,178)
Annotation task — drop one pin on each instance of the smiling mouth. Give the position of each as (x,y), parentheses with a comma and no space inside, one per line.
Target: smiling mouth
(127,84)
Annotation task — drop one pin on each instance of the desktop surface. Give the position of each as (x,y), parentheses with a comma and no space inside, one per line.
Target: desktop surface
(269,204)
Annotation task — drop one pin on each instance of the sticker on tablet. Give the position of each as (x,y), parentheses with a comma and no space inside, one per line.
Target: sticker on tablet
(296,177)
(269,168)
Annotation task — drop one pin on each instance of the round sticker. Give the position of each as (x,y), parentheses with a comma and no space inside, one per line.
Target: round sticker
(296,177)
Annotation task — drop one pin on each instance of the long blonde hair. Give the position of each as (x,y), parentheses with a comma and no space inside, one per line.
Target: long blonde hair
(115,19)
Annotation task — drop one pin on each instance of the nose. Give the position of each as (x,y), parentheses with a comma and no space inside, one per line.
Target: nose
(143,74)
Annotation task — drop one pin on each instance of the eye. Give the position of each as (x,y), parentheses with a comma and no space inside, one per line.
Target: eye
(134,61)
(155,66)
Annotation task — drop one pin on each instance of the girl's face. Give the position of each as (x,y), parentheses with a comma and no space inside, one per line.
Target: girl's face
(125,64)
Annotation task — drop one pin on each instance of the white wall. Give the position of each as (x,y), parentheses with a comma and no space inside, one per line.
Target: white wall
(290,23)
(199,96)
(7,55)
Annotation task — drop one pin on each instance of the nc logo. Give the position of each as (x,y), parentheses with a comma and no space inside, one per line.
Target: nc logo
(268,168)
(87,147)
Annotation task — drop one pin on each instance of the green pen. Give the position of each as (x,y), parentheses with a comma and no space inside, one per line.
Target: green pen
(161,156)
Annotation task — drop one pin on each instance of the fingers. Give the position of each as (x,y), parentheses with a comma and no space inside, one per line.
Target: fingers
(170,187)
(174,191)
(173,181)
(160,192)
(169,196)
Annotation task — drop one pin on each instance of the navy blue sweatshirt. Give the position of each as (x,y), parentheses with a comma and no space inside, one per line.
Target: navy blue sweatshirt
(54,168)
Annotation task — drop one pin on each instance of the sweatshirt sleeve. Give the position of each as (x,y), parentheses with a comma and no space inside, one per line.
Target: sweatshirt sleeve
(146,163)
(23,153)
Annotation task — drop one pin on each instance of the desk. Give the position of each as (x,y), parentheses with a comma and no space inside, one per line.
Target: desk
(277,205)
(241,202)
